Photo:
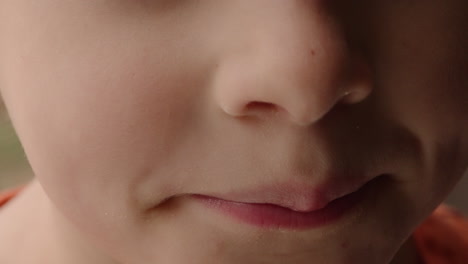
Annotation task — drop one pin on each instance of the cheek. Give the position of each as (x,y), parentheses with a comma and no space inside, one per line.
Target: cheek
(80,95)
(97,117)
(93,137)
(420,65)
(94,124)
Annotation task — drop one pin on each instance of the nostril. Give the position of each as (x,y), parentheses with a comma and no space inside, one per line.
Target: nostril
(262,107)
(257,104)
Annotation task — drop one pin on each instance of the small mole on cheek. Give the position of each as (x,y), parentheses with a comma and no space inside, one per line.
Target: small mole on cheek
(344,245)
(312,52)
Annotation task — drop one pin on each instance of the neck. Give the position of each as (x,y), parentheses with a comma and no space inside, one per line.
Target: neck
(407,254)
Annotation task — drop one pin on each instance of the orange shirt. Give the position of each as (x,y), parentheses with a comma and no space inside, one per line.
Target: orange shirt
(6,195)
(441,239)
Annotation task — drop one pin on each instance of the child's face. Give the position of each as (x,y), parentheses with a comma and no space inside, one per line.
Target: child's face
(126,108)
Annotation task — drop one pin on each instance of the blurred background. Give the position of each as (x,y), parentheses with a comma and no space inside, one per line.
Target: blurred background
(14,168)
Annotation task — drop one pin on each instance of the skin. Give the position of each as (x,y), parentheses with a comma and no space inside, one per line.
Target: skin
(125,107)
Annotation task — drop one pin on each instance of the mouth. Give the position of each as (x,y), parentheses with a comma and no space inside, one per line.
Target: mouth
(273,215)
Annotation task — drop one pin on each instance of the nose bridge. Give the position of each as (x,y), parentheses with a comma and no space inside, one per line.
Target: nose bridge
(296,60)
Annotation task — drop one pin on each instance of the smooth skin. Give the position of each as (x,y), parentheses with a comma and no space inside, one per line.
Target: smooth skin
(126,107)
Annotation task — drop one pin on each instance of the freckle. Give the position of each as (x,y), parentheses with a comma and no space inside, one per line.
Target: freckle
(344,245)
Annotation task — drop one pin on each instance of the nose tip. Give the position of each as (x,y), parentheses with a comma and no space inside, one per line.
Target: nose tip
(298,67)
(302,103)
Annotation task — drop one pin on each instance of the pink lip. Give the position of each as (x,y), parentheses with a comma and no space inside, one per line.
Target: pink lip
(296,196)
(267,215)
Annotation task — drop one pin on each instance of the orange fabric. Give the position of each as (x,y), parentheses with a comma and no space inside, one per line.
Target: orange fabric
(441,239)
(6,195)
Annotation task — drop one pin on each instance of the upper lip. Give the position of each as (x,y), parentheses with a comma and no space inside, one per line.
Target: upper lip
(301,197)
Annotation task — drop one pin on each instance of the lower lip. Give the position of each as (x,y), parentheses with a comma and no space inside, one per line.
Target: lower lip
(273,216)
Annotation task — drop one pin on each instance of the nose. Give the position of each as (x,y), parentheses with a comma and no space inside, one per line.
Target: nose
(289,57)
